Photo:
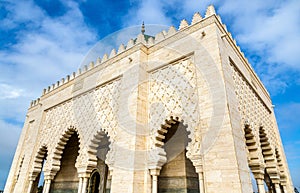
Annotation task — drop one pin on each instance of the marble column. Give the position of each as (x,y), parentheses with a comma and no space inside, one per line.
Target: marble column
(47,185)
(201,182)
(154,173)
(277,188)
(260,185)
(80,185)
(84,184)
(284,188)
(30,186)
(198,164)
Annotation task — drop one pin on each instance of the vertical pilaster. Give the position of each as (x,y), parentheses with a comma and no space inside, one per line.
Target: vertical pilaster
(84,184)
(47,185)
(198,163)
(154,173)
(284,189)
(80,185)
(277,188)
(260,185)
(201,182)
(30,186)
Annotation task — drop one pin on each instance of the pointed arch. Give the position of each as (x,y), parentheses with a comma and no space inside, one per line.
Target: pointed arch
(173,138)
(39,158)
(163,130)
(269,156)
(281,168)
(59,148)
(255,163)
(93,148)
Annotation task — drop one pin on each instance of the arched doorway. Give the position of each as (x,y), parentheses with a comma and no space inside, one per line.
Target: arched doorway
(100,179)
(94,182)
(66,179)
(178,174)
(41,158)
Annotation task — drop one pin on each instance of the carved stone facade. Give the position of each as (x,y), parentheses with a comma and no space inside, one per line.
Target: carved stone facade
(179,112)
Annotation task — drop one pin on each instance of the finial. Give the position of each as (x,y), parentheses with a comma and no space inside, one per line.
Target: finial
(143,28)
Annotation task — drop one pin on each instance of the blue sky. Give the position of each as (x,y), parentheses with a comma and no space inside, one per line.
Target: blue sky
(42,41)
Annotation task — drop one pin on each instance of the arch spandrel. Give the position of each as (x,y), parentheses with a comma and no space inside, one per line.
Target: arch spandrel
(173,93)
(88,157)
(56,154)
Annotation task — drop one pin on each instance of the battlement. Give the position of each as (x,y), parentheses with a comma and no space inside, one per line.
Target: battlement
(148,42)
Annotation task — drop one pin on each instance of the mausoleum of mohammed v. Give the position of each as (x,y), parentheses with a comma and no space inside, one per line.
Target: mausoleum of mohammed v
(181,111)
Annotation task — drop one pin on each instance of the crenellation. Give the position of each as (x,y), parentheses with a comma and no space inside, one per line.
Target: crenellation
(112,53)
(140,39)
(210,11)
(196,18)
(73,76)
(150,41)
(159,37)
(183,24)
(165,33)
(121,48)
(92,64)
(78,72)
(172,30)
(85,68)
(98,62)
(104,58)
(130,44)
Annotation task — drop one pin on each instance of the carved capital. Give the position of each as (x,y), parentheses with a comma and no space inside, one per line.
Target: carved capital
(156,158)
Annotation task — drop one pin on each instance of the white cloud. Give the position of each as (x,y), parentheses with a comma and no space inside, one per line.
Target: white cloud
(267,29)
(9,92)
(149,11)
(47,49)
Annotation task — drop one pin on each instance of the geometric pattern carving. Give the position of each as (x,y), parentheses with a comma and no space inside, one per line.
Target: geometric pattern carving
(173,93)
(95,110)
(252,109)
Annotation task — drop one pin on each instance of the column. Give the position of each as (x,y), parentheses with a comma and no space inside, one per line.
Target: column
(198,164)
(260,185)
(80,185)
(30,186)
(154,173)
(284,189)
(84,184)
(201,182)
(83,176)
(47,185)
(277,188)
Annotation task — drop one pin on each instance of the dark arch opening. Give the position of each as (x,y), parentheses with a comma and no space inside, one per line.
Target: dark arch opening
(100,179)
(38,183)
(178,174)
(94,183)
(66,179)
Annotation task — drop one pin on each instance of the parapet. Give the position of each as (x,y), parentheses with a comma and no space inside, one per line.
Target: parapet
(141,39)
